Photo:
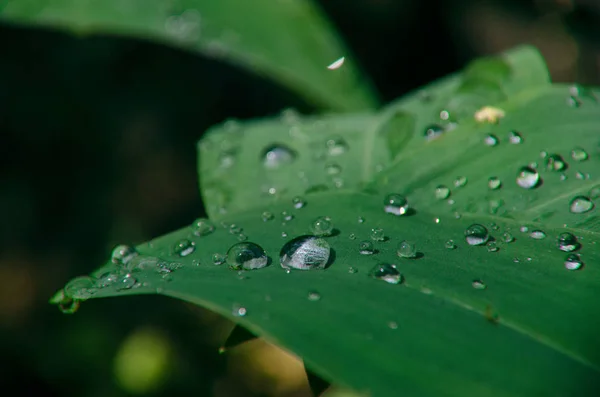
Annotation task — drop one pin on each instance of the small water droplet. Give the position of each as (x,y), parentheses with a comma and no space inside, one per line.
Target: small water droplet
(366,248)
(580,205)
(352,236)
(377,234)
(579,154)
(386,272)
(494,183)
(202,227)
(460,181)
(478,284)
(322,226)
(579,175)
(314,296)
(450,244)
(476,234)
(286,216)
(238,311)
(492,246)
(442,192)
(336,146)
(407,249)
(277,155)
(305,253)
(567,242)
(573,262)
(595,192)
(126,282)
(247,256)
(80,288)
(523,229)
(352,270)
(555,162)
(122,254)
(490,140)
(107,279)
(298,202)
(184,247)
(508,238)
(395,204)
(336,64)
(393,325)
(433,131)
(537,234)
(528,178)
(333,169)
(267,216)
(284,234)
(218,259)
(361,219)
(242,237)
(515,137)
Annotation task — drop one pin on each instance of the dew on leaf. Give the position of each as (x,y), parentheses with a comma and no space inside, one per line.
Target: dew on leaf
(235,229)
(106,279)
(242,237)
(386,272)
(126,282)
(322,226)
(537,234)
(573,262)
(407,249)
(298,202)
(476,234)
(395,204)
(202,227)
(515,137)
(580,205)
(246,256)
(238,310)
(286,216)
(595,192)
(433,131)
(450,244)
(122,254)
(218,259)
(377,234)
(579,175)
(333,169)
(184,247)
(460,181)
(492,246)
(527,178)
(336,146)
(494,183)
(336,64)
(284,234)
(305,253)
(507,237)
(361,219)
(366,248)
(80,288)
(352,236)
(567,242)
(579,154)
(352,270)
(555,162)
(277,155)
(442,192)
(490,140)
(314,296)
(478,284)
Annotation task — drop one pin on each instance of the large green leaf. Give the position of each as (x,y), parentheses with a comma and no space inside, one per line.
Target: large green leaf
(288,41)
(468,320)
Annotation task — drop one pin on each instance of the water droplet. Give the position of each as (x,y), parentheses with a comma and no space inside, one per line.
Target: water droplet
(286,216)
(336,146)
(490,140)
(305,253)
(235,229)
(407,249)
(515,137)
(579,175)
(460,181)
(537,234)
(387,273)
(555,162)
(478,284)
(267,216)
(442,192)
(277,155)
(361,219)
(218,259)
(202,227)
(476,234)
(80,288)
(492,246)
(595,192)
(573,262)
(366,248)
(377,234)
(126,282)
(393,325)
(352,236)
(567,242)
(579,154)
(238,311)
(336,64)
(298,202)
(284,234)
(184,247)
(528,178)
(122,254)
(580,205)
(242,237)
(450,244)
(314,296)
(523,229)
(107,279)
(352,270)
(333,169)
(508,238)
(494,183)
(246,256)
(322,226)
(395,204)
(433,131)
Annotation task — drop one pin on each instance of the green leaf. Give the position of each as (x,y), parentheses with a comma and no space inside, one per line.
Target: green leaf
(467,320)
(288,41)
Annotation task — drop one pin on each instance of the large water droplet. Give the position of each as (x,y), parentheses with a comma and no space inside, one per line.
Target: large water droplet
(122,254)
(573,262)
(528,178)
(184,247)
(580,205)
(494,183)
(567,242)
(537,234)
(377,234)
(366,248)
(387,273)
(555,162)
(80,288)
(395,204)
(202,227)
(442,192)
(305,253)
(476,234)
(433,131)
(246,256)
(276,155)
(322,226)
(490,140)
(515,137)
(336,146)
(579,154)
(407,249)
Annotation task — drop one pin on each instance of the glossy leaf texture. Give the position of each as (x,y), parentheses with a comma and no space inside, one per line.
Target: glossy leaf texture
(504,318)
(288,41)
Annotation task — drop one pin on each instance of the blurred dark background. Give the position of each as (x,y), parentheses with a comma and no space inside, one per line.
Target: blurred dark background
(97,144)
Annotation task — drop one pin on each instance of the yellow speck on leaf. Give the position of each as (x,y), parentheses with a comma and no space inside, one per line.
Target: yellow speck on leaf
(489,114)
